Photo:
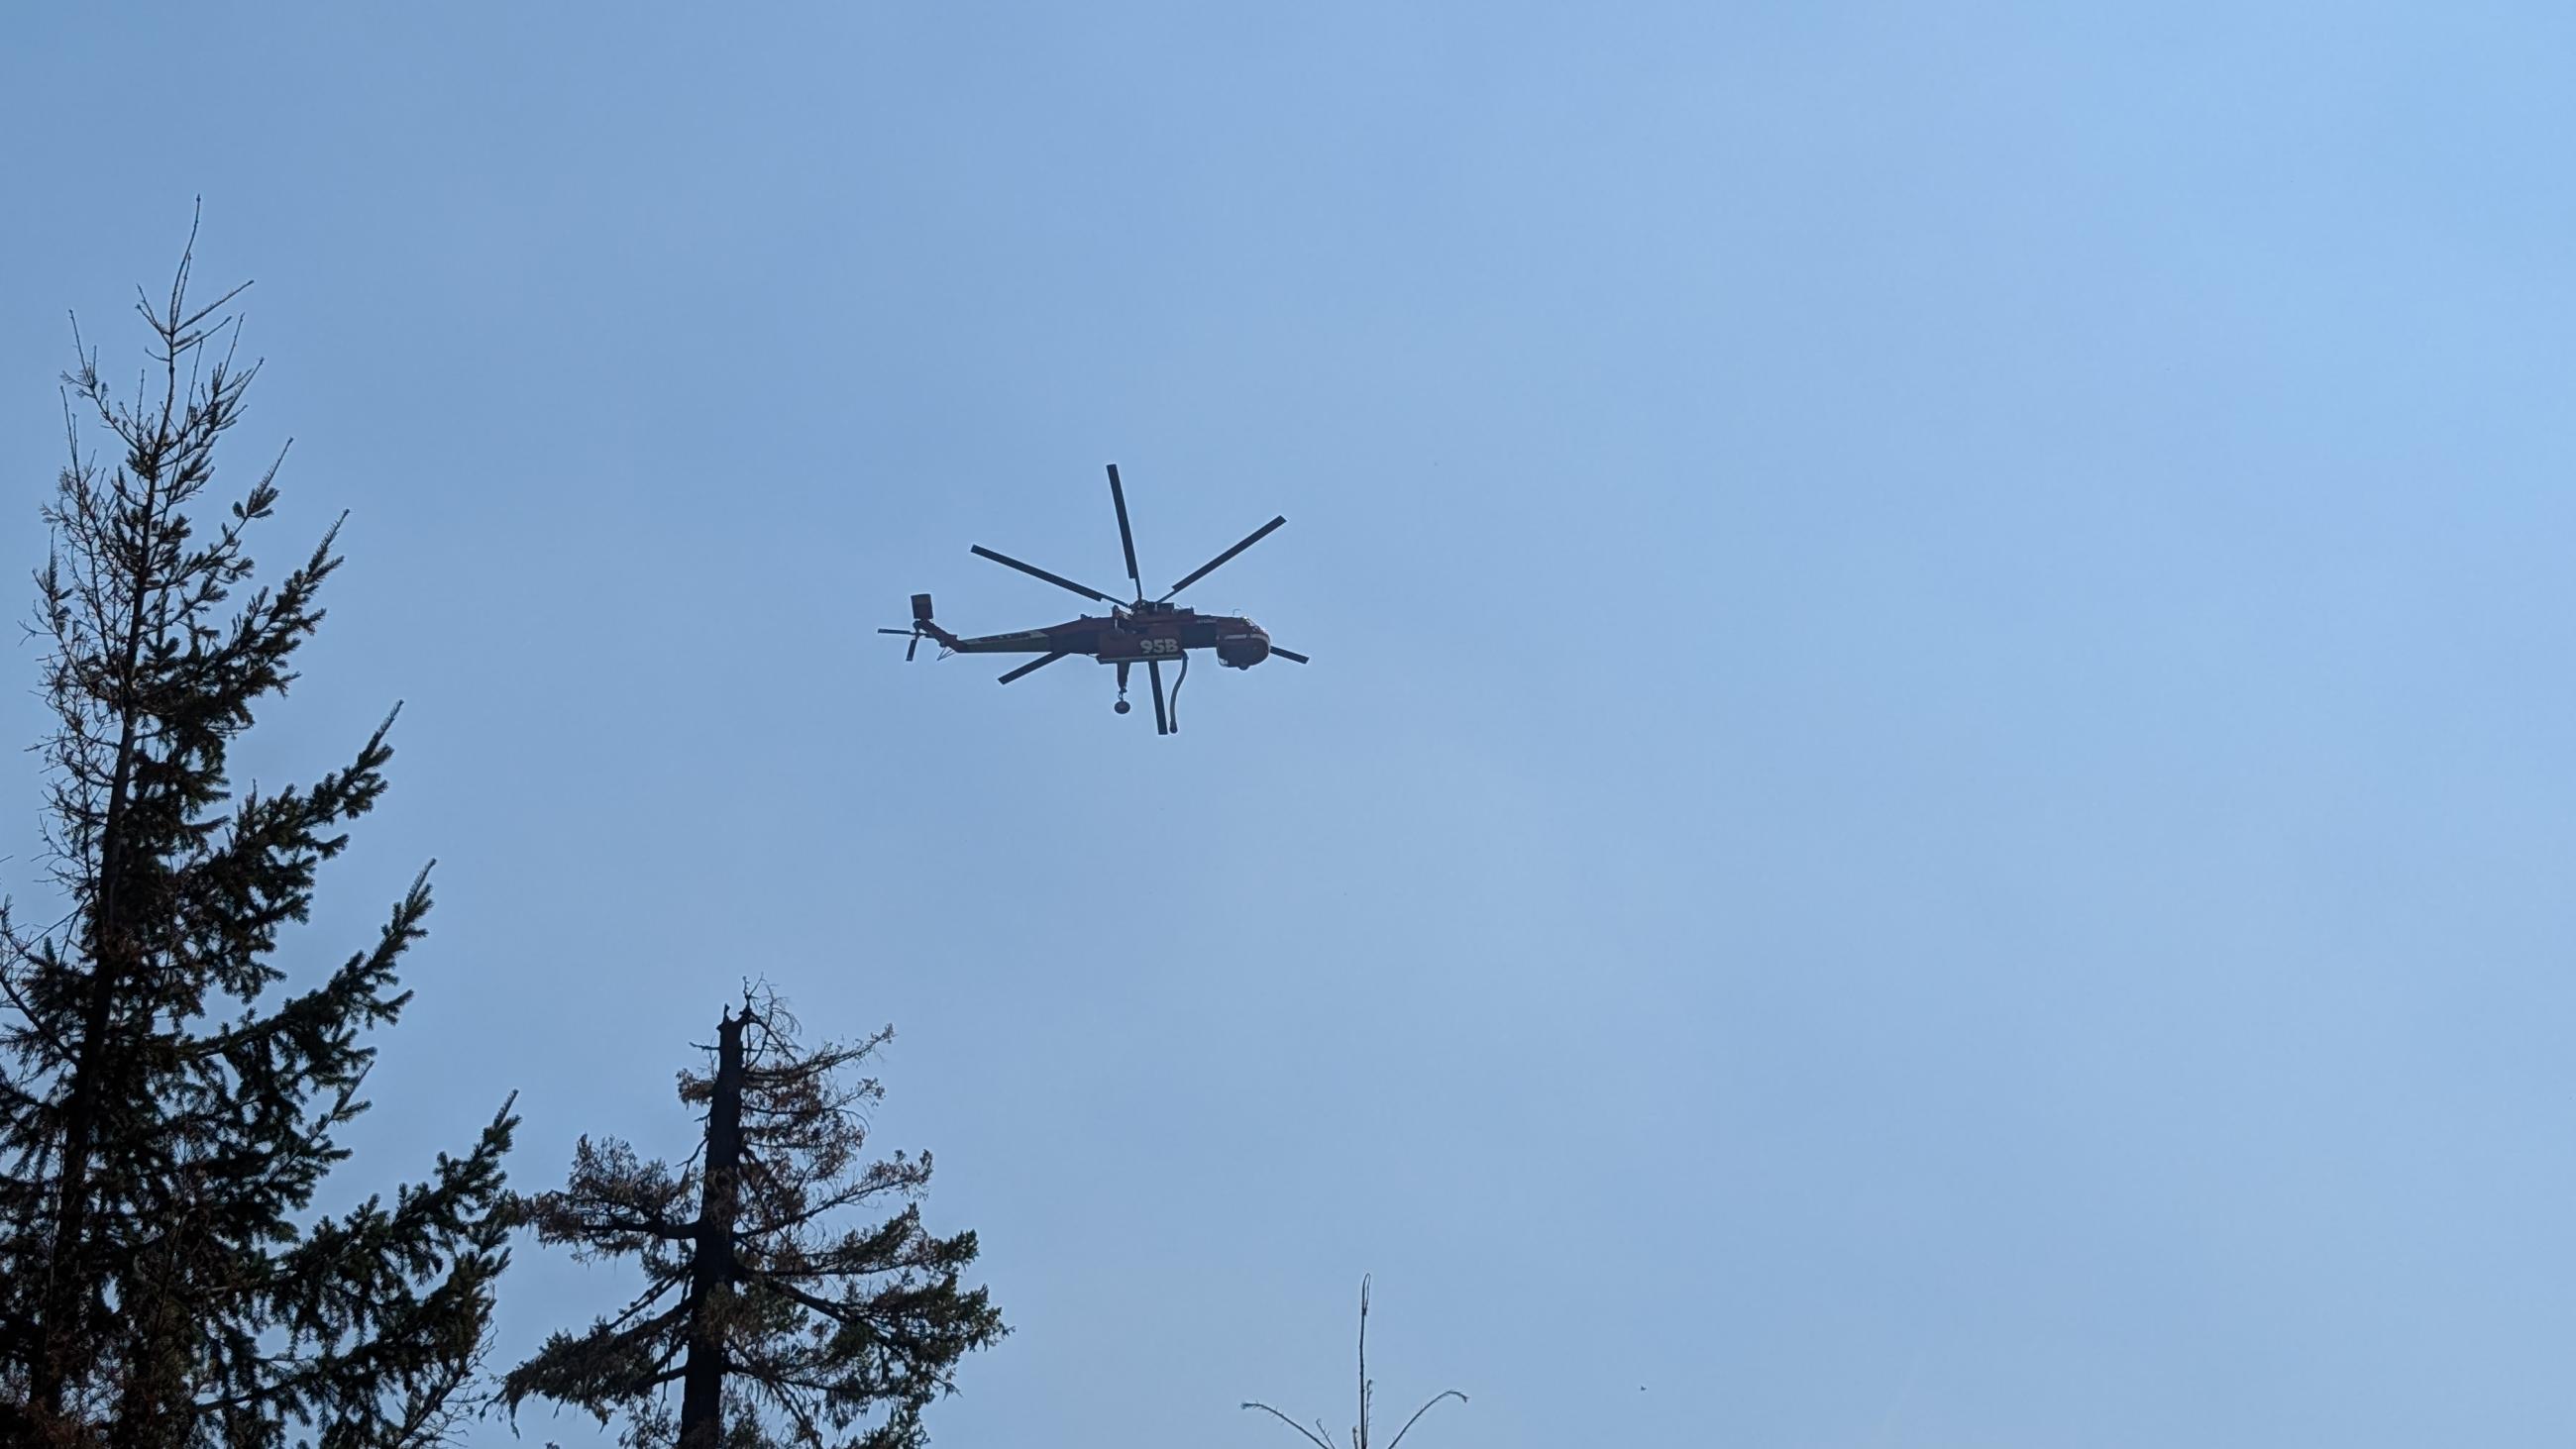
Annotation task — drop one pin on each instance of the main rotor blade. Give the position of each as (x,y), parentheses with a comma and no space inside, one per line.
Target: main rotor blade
(1162,719)
(1041,662)
(1278,653)
(914,632)
(1210,566)
(1126,535)
(1033,571)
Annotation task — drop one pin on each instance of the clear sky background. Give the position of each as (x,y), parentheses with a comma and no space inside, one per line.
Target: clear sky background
(1934,804)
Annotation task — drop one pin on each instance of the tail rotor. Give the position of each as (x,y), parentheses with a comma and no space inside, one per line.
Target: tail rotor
(919,630)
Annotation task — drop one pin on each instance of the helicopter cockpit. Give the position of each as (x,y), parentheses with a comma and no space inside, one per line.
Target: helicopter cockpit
(1244,649)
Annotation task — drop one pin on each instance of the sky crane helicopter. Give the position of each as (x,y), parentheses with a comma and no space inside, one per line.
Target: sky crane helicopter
(1146,631)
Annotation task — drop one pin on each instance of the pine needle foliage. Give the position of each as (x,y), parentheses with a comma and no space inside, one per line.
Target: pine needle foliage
(780,1323)
(169,1106)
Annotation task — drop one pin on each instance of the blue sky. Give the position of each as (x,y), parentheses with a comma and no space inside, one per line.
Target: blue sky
(1933,803)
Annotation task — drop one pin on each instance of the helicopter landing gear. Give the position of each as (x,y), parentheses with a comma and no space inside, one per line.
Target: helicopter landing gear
(1121,705)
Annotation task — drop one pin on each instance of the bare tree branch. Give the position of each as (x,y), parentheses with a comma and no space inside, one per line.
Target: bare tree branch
(1425,1409)
(1367,1393)
(1318,1441)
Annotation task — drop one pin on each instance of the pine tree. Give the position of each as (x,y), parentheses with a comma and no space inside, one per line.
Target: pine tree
(780,1326)
(169,1105)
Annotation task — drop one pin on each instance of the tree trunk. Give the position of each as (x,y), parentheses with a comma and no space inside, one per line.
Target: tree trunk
(711,1270)
(64,1326)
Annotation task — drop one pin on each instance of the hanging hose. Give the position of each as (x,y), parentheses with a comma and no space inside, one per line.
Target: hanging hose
(1175,710)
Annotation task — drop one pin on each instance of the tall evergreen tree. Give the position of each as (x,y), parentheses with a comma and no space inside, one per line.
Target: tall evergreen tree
(169,1102)
(780,1326)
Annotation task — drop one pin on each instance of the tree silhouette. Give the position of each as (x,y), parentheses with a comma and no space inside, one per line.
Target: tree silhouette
(779,1326)
(165,1118)
(1321,1438)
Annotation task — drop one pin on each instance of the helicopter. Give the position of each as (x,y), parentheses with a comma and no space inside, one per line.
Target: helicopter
(1144,631)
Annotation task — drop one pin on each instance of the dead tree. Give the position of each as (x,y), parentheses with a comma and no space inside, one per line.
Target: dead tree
(1322,1438)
